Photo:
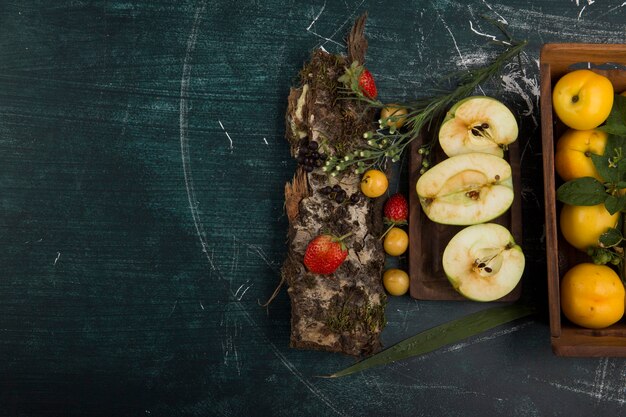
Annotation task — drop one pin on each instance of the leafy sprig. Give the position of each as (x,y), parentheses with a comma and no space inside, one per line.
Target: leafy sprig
(608,249)
(389,143)
(611,192)
(589,191)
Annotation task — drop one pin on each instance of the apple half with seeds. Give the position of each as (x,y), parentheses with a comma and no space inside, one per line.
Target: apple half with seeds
(478,124)
(466,189)
(483,263)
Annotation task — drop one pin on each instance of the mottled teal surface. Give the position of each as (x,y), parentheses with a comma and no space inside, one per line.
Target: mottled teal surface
(142,166)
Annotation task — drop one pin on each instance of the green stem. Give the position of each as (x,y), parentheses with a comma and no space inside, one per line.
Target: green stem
(622,264)
(340,238)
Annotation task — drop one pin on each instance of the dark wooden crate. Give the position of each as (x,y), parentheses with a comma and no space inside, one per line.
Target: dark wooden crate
(556,60)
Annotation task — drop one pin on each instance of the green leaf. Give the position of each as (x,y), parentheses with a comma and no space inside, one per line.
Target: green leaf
(621,167)
(616,122)
(614,129)
(586,191)
(610,238)
(442,335)
(612,165)
(607,171)
(614,204)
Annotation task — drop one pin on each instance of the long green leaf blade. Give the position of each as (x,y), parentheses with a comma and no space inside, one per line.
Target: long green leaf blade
(442,335)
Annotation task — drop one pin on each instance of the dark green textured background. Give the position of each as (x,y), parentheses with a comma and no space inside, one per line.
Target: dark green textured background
(136,238)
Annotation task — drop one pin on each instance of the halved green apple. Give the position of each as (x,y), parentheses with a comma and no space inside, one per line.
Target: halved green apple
(466,189)
(483,263)
(478,124)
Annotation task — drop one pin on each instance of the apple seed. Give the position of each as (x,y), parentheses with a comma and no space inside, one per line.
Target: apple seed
(474,195)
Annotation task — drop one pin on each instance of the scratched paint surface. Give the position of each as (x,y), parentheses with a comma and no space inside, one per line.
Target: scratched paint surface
(142,165)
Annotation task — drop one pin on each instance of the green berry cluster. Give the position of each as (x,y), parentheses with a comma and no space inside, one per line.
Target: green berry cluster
(380,147)
(603,256)
(424,151)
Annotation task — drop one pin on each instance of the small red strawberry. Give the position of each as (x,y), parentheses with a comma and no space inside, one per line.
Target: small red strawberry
(359,80)
(396,210)
(367,84)
(325,253)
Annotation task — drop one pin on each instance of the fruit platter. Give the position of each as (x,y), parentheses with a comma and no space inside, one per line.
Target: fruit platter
(458,226)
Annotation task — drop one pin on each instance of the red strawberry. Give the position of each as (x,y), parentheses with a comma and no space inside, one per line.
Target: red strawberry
(359,80)
(325,253)
(367,84)
(396,210)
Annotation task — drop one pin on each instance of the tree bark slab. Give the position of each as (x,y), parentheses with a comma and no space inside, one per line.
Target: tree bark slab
(344,311)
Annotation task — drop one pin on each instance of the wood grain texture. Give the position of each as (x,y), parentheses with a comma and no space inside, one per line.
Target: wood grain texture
(142,170)
(549,188)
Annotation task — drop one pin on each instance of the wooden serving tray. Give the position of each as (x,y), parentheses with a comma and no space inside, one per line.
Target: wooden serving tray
(428,240)
(556,60)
